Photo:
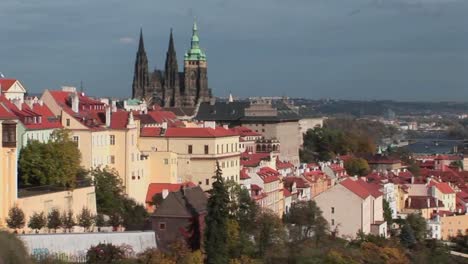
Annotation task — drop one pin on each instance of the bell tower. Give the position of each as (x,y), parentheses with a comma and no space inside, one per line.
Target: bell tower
(195,73)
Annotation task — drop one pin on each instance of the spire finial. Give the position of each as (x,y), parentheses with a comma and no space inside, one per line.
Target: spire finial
(141,45)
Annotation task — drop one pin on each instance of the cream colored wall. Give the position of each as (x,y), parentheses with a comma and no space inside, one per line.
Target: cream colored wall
(163,167)
(465,163)
(8,182)
(350,210)
(449,200)
(63,201)
(287,133)
(197,167)
(378,209)
(450,225)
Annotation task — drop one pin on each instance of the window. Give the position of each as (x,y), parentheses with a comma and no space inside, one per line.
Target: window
(9,134)
(112,159)
(217,149)
(162,226)
(206,149)
(333,210)
(190,149)
(133,157)
(76,139)
(207,181)
(112,139)
(333,222)
(68,122)
(166,161)
(133,140)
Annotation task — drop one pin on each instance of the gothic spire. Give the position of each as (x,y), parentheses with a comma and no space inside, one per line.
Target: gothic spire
(171,75)
(141,80)
(141,44)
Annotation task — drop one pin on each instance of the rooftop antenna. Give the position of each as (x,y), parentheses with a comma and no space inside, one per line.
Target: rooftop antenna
(81,87)
(1,75)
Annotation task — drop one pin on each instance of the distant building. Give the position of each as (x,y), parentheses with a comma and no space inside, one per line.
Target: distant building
(181,215)
(352,206)
(272,119)
(171,88)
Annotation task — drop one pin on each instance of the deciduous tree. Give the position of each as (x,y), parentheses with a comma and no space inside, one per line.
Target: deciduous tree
(15,218)
(37,221)
(357,167)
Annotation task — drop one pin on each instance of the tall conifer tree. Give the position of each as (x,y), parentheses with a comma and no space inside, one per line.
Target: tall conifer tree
(216,221)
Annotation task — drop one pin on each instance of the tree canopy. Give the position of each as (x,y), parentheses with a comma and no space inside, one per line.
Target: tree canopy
(56,162)
(357,166)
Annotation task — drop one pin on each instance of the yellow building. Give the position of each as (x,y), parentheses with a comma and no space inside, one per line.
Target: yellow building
(452,225)
(105,137)
(444,192)
(195,151)
(8,161)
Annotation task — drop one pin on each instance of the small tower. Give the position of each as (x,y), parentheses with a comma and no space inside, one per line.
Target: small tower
(141,80)
(195,72)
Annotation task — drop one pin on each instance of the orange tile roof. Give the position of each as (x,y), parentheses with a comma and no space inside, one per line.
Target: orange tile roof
(198,132)
(155,188)
(6,83)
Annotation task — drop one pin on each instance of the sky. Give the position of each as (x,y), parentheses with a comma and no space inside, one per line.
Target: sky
(340,49)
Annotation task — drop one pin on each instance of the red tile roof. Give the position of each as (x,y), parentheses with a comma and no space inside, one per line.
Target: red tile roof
(243,174)
(150,131)
(300,182)
(198,132)
(421,202)
(119,119)
(155,188)
(356,188)
(6,83)
(442,187)
(268,174)
(35,118)
(283,164)
(5,113)
(286,192)
(253,159)
(244,131)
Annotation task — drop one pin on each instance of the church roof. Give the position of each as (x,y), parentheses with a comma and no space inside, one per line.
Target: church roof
(235,111)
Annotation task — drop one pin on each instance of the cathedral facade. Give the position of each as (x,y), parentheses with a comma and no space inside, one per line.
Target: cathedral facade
(171,88)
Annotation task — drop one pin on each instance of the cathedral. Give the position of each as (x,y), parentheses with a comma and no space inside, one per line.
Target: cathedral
(171,88)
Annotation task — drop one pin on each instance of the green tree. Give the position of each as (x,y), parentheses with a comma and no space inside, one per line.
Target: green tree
(387,212)
(68,220)
(37,221)
(305,220)
(54,220)
(110,200)
(56,162)
(15,218)
(99,220)
(216,221)
(357,166)
(270,235)
(12,249)
(85,218)
(109,190)
(418,225)
(407,236)
(115,220)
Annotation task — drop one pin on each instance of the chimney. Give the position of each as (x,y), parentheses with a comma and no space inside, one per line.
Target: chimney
(165,193)
(114,106)
(108,116)
(212,101)
(164,125)
(40,102)
(75,102)
(29,102)
(428,202)
(17,103)
(131,121)
(412,179)
(409,202)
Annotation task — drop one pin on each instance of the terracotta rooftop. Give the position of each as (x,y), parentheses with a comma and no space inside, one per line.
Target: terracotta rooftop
(6,83)
(155,188)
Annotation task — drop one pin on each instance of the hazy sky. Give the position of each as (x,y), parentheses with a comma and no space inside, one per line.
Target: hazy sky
(345,49)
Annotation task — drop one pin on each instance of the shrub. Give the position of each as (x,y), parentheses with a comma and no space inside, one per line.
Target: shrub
(37,221)
(105,253)
(12,249)
(15,218)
